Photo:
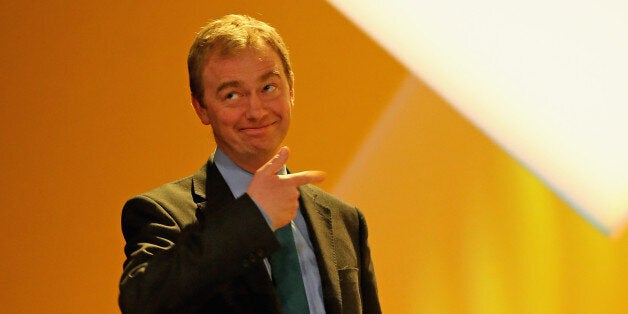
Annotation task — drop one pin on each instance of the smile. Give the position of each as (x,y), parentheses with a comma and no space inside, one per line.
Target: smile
(258,129)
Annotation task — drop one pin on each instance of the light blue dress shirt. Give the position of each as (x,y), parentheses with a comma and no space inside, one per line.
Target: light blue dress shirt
(238,181)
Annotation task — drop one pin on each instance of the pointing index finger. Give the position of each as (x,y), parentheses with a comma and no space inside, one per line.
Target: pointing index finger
(305,177)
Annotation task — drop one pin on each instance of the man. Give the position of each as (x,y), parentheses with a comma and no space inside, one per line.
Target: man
(241,235)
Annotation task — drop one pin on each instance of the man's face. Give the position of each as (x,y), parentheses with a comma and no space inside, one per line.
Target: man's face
(247,101)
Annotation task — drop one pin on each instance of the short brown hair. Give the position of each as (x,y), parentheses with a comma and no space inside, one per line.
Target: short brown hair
(230,34)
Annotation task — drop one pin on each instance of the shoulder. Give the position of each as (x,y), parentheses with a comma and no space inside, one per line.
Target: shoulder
(324,198)
(349,213)
(176,200)
(171,201)
(181,192)
(169,194)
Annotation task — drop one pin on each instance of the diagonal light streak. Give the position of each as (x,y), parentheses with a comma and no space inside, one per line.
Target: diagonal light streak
(546,80)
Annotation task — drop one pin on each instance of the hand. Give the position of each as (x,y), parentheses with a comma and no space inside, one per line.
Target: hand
(277,194)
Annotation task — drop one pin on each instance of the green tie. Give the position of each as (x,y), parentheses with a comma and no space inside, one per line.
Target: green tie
(284,264)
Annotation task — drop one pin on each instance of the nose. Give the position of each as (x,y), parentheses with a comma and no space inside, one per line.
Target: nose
(256,108)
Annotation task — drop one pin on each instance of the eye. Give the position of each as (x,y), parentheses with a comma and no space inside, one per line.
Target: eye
(231,96)
(269,88)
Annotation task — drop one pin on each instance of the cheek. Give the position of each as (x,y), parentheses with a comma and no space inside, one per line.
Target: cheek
(282,108)
(228,117)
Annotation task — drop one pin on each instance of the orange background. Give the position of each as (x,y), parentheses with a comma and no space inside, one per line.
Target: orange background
(95,108)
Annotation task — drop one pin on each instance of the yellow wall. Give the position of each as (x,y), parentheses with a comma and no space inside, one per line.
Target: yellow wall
(94,109)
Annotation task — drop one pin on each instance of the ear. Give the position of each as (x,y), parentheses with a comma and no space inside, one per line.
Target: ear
(292,96)
(201,111)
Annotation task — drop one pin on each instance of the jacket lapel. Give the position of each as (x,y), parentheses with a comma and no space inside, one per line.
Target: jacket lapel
(321,234)
(210,192)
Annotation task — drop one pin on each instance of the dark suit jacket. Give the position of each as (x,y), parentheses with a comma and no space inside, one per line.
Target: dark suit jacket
(191,247)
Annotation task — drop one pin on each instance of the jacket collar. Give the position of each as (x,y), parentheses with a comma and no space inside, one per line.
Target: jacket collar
(208,181)
(199,179)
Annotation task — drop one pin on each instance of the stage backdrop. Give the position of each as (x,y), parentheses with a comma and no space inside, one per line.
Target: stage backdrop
(95,108)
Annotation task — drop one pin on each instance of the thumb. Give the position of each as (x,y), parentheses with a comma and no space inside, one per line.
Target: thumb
(274,164)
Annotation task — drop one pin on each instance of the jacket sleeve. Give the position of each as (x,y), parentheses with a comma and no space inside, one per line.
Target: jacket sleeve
(169,266)
(368,285)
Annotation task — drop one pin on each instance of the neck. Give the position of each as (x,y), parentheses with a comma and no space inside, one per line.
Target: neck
(249,163)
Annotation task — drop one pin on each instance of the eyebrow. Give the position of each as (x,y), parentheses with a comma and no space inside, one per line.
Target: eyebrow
(269,74)
(226,85)
(264,77)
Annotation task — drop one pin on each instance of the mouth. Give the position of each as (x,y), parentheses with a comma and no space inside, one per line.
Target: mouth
(258,129)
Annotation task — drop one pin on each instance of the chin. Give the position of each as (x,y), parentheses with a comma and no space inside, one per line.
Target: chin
(254,151)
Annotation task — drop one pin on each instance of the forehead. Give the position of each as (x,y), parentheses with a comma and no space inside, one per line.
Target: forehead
(242,64)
